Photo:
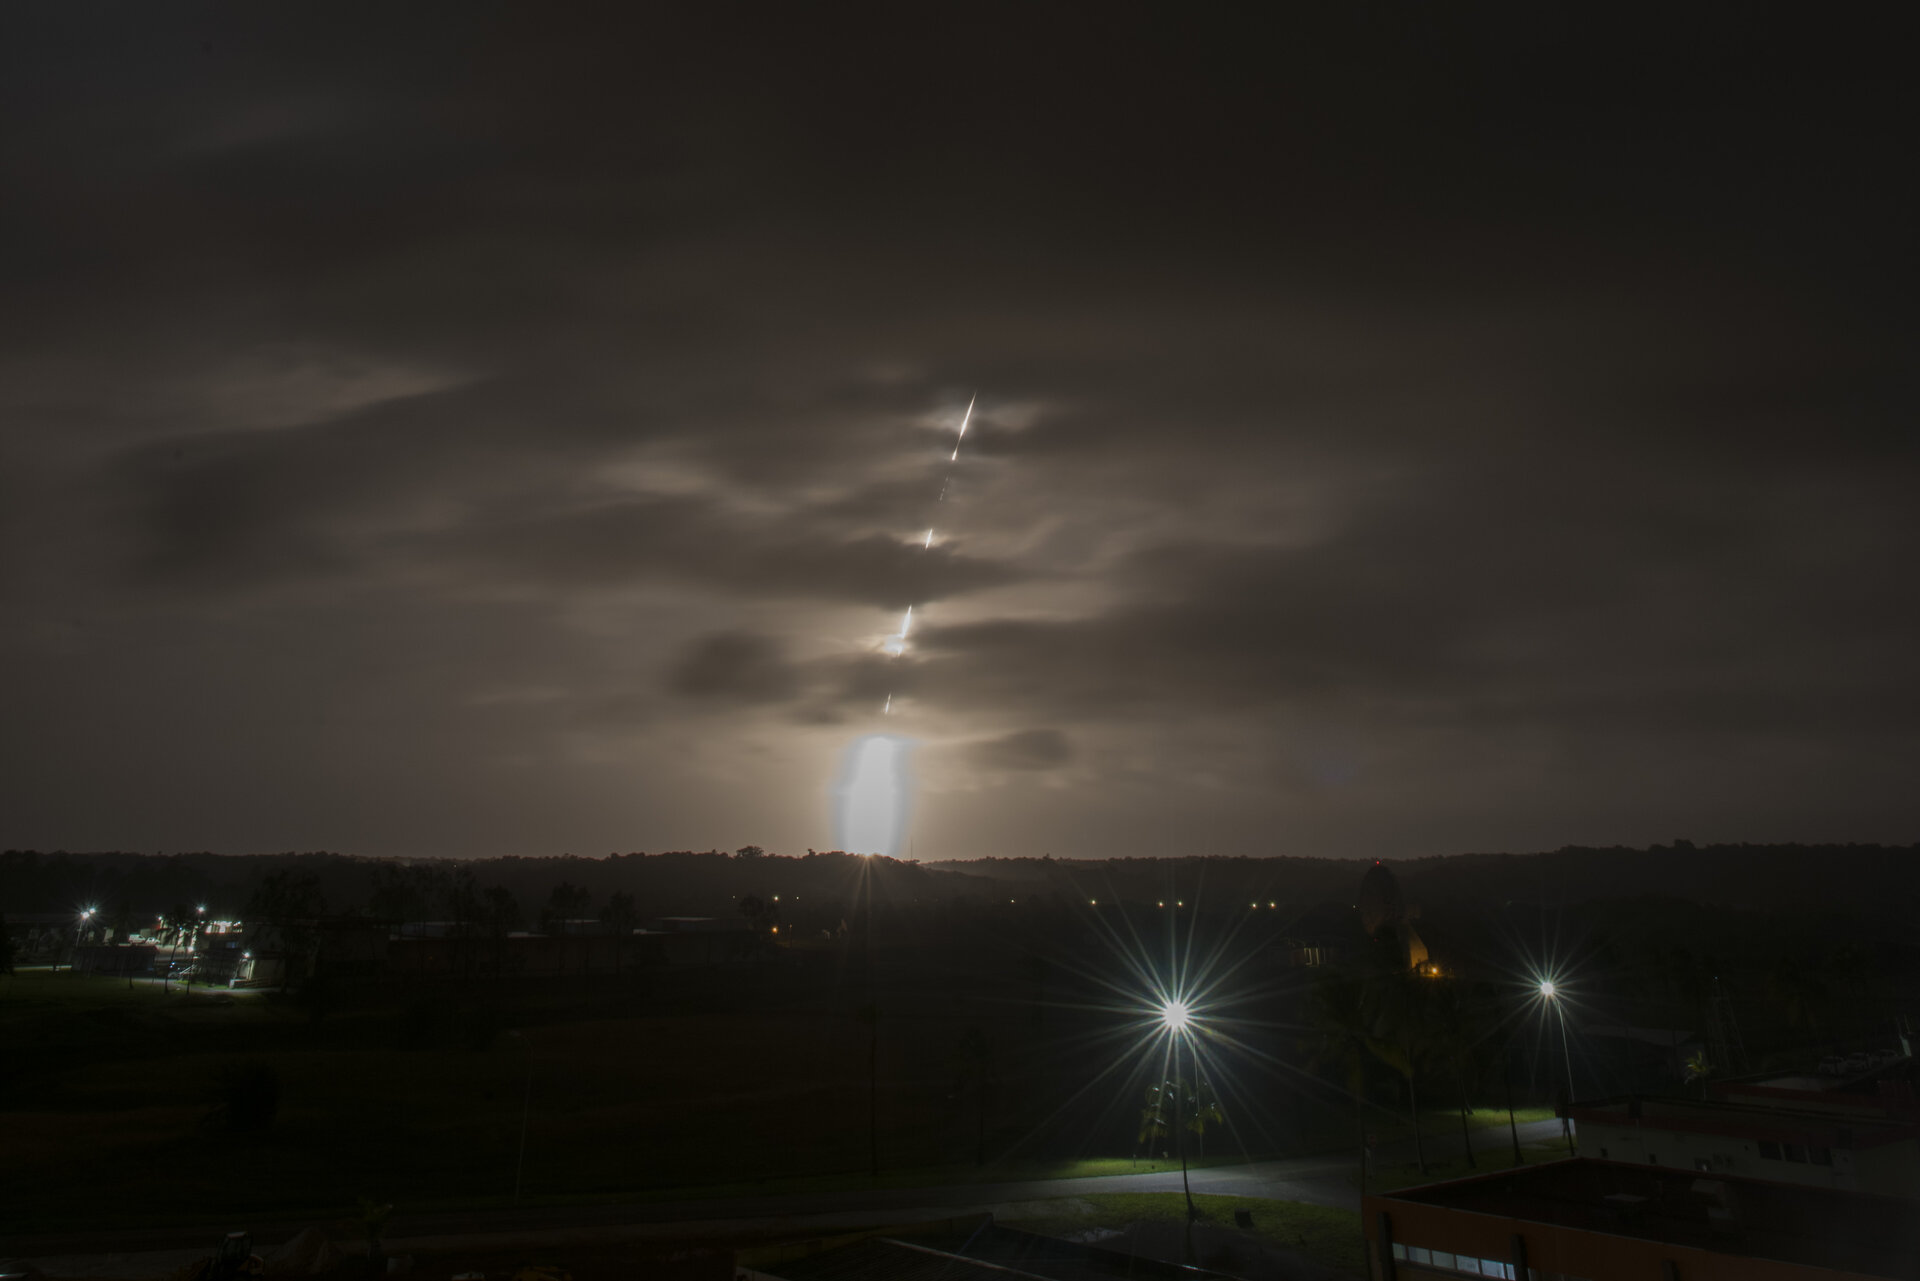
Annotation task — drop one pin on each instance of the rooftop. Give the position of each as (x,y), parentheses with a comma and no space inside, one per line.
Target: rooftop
(1766,1120)
(1753,1218)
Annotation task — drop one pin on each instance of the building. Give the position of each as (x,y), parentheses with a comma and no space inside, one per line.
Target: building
(1869,1146)
(1385,914)
(1591,1220)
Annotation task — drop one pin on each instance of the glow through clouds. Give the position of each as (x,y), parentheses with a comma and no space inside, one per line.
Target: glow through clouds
(873,795)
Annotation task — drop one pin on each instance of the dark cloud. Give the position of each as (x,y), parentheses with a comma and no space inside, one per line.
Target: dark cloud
(1027,749)
(734,667)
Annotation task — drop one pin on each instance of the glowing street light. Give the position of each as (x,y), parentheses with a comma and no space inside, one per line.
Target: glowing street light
(1176,1016)
(1549,991)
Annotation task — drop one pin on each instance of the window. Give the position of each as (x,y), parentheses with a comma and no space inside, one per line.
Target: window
(1770,1151)
(1603,1154)
(1653,1158)
(1419,1254)
(1399,1250)
(1794,1152)
(1821,1156)
(1443,1258)
(1701,1163)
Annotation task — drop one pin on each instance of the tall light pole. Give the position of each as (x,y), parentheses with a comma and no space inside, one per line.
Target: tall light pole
(1549,992)
(1176,1018)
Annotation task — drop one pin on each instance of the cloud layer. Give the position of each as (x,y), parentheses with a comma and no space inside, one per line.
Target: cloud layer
(1388,441)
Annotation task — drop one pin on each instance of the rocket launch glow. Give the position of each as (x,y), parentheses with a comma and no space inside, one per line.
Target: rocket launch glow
(873,794)
(871,799)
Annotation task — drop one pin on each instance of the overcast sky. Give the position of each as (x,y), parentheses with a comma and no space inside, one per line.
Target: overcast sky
(435,430)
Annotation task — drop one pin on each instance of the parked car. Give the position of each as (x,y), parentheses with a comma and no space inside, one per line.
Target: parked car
(1858,1061)
(1832,1065)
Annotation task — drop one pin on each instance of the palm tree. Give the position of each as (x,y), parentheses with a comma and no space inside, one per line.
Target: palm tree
(1401,1035)
(1203,1109)
(1335,1011)
(1460,1031)
(1168,1112)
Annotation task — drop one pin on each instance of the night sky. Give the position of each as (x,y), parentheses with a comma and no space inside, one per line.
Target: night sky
(439,429)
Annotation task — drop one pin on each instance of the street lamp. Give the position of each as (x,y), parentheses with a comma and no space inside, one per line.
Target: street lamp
(1176,1017)
(1549,993)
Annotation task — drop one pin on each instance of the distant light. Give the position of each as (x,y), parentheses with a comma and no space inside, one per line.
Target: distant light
(1094,901)
(1161,903)
(1175,1016)
(1546,988)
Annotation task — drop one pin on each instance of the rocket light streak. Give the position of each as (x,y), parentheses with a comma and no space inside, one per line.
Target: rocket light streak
(964,420)
(875,788)
(896,644)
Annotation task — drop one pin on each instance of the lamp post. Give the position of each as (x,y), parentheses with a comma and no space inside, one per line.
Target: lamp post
(1549,992)
(1176,1018)
(80,937)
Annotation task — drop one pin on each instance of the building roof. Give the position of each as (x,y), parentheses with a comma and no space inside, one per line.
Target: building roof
(1753,1218)
(1789,1124)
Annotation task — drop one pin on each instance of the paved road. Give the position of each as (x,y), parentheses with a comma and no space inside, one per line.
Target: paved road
(1319,1180)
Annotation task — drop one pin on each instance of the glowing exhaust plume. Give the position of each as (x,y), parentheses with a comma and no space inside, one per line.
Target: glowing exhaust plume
(872,795)
(896,644)
(967,418)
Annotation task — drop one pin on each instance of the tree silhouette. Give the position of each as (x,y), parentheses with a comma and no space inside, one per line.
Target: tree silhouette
(499,918)
(290,902)
(566,902)
(974,1076)
(1203,1110)
(619,916)
(1337,1014)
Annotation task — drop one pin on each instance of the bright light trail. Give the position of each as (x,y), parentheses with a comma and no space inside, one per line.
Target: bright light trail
(965,419)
